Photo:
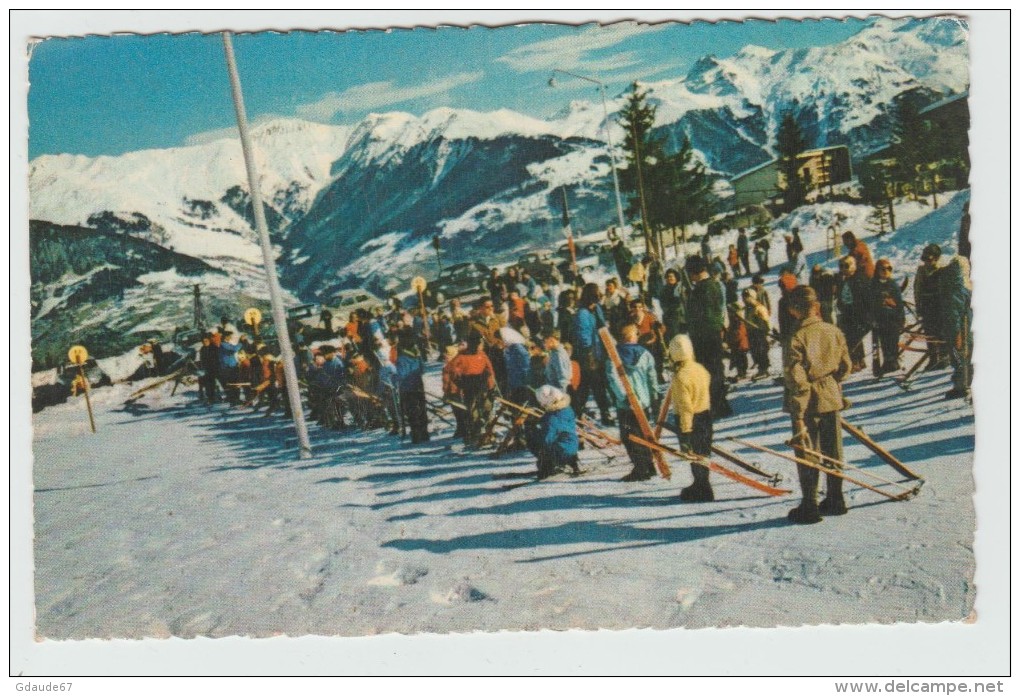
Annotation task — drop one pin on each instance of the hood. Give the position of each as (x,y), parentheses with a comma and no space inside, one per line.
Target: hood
(630,353)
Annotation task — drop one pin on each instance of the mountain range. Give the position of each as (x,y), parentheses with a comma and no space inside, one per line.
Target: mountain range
(360,204)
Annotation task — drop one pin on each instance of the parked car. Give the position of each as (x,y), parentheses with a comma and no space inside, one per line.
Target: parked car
(188,339)
(581,250)
(458,281)
(303,313)
(541,265)
(348,301)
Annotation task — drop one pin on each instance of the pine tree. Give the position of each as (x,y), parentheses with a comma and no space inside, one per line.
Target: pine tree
(645,155)
(790,143)
(912,149)
(877,220)
(877,189)
(692,198)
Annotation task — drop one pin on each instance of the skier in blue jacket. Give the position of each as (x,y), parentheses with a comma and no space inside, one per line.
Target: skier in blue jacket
(639,365)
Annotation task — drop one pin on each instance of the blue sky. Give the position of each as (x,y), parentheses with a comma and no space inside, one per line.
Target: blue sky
(109,95)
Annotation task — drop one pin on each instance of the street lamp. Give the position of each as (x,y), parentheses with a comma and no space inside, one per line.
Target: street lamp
(609,136)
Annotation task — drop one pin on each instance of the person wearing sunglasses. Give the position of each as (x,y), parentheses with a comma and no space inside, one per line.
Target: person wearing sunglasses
(888,314)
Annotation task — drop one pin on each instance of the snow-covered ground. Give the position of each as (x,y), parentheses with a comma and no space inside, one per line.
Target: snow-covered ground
(177,519)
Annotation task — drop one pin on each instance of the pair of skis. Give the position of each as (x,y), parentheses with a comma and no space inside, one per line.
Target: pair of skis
(834,467)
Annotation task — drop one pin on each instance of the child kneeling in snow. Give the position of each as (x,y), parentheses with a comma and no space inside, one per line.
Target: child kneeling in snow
(553,440)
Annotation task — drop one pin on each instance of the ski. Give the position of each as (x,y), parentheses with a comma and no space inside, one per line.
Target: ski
(882,453)
(904,381)
(773,479)
(159,382)
(712,466)
(635,406)
(906,495)
(555,478)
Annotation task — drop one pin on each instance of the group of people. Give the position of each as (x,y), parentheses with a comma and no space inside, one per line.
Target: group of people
(692,321)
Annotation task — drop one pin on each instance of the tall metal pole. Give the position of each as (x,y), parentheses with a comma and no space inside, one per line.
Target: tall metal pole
(612,158)
(279,314)
(641,190)
(609,138)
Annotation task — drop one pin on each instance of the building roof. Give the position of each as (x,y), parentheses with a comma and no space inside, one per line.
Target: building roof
(752,170)
(943,102)
(805,153)
(817,150)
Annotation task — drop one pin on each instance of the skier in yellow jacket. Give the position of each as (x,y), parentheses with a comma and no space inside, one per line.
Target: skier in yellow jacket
(690,393)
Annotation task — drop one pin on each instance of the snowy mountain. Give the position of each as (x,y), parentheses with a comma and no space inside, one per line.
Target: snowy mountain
(359,204)
(192,199)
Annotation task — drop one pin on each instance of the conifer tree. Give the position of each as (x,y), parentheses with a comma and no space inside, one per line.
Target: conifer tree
(790,143)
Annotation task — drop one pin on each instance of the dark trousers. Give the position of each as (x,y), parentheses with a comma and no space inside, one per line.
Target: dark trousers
(930,327)
(415,415)
(700,440)
(759,349)
(640,456)
(888,337)
(593,383)
(822,434)
(478,400)
(210,389)
(738,361)
(855,335)
(708,350)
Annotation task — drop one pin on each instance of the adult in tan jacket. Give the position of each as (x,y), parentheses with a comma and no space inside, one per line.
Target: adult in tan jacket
(816,361)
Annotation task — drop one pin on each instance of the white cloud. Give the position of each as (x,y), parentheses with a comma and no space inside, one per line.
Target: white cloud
(571,52)
(374,95)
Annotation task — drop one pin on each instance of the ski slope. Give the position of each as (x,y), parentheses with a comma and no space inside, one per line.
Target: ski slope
(178,519)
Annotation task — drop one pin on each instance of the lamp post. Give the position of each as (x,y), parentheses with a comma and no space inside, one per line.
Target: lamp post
(275,296)
(609,136)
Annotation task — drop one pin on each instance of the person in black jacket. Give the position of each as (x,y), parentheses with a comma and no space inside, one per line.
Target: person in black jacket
(854,308)
(705,326)
(824,284)
(888,315)
(744,250)
(209,359)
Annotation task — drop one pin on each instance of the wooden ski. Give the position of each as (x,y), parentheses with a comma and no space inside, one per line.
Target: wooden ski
(635,405)
(593,430)
(712,466)
(904,381)
(489,434)
(846,465)
(906,495)
(773,479)
(159,382)
(882,453)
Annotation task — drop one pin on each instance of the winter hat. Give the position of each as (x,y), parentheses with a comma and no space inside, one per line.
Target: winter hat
(552,399)
(511,336)
(932,251)
(681,350)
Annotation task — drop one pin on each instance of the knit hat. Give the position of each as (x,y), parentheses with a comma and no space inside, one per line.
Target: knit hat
(932,251)
(552,399)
